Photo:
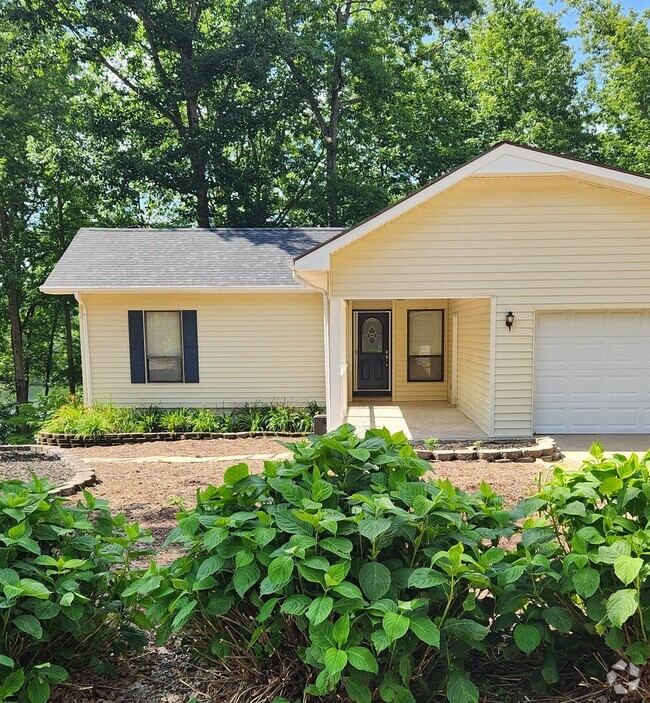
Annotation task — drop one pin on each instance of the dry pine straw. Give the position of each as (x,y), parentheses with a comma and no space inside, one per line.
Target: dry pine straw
(145,491)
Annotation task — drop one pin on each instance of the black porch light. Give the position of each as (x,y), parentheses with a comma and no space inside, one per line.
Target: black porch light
(510,318)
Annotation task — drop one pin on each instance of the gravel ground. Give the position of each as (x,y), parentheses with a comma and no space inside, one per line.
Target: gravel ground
(21,465)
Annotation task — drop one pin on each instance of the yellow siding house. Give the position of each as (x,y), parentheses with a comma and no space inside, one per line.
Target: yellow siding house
(511,295)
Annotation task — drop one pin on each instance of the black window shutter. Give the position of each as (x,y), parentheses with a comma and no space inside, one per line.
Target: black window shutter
(190,347)
(136,346)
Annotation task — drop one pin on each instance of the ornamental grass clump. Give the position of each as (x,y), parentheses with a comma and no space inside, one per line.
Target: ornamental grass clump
(340,570)
(63,571)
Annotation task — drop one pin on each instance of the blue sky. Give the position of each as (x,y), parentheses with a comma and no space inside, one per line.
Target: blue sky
(569,17)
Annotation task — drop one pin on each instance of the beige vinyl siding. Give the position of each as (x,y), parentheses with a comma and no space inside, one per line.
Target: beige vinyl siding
(473,358)
(251,347)
(533,242)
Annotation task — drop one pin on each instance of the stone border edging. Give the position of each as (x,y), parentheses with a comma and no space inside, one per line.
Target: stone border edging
(67,441)
(544,448)
(84,476)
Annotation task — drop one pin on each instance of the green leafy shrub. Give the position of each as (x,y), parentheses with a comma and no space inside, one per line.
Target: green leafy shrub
(598,519)
(204,420)
(344,557)
(63,569)
(107,418)
(18,425)
(179,420)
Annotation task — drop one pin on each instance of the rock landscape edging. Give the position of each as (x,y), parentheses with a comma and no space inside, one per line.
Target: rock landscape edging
(107,440)
(543,448)
(84,474)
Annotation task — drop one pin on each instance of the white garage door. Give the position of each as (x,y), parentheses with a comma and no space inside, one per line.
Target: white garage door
(592,372)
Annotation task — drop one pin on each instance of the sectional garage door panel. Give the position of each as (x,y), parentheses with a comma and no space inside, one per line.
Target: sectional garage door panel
(592,372)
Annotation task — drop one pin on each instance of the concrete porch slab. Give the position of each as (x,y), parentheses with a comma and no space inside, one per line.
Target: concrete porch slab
(417,420)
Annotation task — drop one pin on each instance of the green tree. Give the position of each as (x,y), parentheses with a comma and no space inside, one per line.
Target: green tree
(617,47)
(521,80)
(33,89)
(345,53)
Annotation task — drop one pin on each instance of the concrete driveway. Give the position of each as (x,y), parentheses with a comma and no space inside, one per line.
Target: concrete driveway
(575,448)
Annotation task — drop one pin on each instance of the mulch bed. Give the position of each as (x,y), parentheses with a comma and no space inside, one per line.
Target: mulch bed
(20,465)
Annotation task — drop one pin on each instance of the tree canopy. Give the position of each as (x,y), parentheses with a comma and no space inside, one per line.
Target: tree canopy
(275,112)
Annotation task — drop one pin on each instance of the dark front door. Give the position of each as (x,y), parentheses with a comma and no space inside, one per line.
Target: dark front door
(373,353)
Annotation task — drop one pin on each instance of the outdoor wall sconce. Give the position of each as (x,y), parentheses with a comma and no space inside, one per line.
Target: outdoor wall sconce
(510,318)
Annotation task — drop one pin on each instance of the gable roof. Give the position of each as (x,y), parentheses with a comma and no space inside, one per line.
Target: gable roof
(503,159)
(177,259)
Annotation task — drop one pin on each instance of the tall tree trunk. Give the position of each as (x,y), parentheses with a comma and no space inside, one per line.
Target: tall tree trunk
(20,376)
(330,182)
(200,190)
(69,345)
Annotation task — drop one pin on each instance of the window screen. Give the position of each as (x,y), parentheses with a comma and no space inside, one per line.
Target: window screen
(164,347)
(425,345)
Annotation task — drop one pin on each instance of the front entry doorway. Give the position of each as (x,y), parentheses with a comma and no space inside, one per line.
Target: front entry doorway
(372,330)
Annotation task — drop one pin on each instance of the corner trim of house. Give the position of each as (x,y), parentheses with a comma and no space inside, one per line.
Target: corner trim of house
(86,376)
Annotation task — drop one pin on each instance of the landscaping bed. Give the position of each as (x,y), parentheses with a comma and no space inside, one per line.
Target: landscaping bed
(21,462)
(491,450)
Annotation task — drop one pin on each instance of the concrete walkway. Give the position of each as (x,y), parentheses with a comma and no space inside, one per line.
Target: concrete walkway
(185,459)
(575,448)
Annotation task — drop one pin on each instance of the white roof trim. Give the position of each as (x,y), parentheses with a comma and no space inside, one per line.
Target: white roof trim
(505,159)
(189,289)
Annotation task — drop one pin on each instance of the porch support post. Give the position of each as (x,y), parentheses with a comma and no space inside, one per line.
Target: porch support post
(337,391)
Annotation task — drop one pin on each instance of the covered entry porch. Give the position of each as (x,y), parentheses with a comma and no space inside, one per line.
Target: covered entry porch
(420,366)
(416,419)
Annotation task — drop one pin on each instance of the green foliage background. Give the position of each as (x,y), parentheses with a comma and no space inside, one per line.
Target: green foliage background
(262,112)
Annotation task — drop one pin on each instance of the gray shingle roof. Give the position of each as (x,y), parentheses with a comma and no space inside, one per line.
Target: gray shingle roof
(182,258)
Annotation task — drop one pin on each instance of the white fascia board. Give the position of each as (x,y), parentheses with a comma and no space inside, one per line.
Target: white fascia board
(49,290)
(504,160)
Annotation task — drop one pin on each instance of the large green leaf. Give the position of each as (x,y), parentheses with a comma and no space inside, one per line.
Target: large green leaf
(586,582)
(319,609)
(627,568)
(362,659)
(375,580)
(427,578)
(621,605)
(214,537)
(245,577)
(395,625)
(527,638)
(280,569)
(335,660)
(235,473)
(30,625)
(358,691)
(12,683)
(372,527)
(460,689)
(34,589)
(425,630)
(38,691)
